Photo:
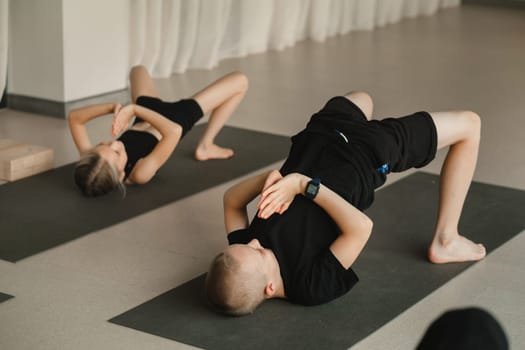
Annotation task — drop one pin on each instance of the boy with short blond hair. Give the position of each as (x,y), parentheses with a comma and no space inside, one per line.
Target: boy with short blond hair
(310,228)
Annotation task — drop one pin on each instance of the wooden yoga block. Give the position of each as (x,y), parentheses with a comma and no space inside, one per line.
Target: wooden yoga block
(19,160)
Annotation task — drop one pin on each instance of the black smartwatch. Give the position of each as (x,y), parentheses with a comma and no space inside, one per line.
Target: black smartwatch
(312,188)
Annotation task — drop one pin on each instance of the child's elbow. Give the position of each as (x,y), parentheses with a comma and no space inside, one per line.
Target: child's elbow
(227,198)
(366,226)
(176,131)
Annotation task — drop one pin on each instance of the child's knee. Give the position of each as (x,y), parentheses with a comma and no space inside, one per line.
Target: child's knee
(359,95)
(473,122)
(138,69)
(363,100)
(241,80)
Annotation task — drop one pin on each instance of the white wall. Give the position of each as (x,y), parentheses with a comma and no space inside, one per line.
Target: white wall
(3,43)
(96,47)
(65,50)
(35,49)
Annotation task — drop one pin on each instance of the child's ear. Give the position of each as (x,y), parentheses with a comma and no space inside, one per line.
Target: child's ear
(269,290)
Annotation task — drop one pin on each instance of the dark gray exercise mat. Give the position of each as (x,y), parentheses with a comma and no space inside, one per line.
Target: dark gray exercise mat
(45,210)
(393,270)
(4,297)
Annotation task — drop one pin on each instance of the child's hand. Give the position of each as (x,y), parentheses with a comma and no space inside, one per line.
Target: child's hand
(123,116)
(272,178)
(116,109)
(279,195)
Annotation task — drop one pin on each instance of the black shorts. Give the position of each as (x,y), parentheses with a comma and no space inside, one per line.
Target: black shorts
(418,136)
(184,112)
(402,143)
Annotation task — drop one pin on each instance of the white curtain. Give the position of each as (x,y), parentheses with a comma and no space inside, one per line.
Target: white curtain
(171,36)
(3,45)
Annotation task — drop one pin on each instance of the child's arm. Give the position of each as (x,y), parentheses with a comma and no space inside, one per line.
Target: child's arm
(237,197)
(79,117)
(170,131)
(355,226)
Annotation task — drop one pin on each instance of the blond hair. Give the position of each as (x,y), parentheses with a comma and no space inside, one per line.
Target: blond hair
(233,289)
(95,176)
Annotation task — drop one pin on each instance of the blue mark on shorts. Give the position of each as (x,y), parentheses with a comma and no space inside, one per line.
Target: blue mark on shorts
(384,169)
(342,135)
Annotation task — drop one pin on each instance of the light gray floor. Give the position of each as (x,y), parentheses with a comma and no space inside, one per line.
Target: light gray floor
(463,58)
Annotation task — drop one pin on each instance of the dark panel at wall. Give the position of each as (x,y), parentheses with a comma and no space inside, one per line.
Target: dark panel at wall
(506,3)
(3,100)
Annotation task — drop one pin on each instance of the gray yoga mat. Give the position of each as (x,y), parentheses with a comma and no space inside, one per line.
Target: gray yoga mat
(45,210)
(393,270)
(4,297)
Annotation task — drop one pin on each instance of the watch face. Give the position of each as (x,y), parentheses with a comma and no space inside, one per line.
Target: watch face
(310,189)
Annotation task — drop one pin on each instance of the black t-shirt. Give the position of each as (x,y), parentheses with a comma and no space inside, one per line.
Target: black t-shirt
(300,239)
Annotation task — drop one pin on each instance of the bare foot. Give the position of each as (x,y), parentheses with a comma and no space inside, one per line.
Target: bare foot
(205,152)
(459,249)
